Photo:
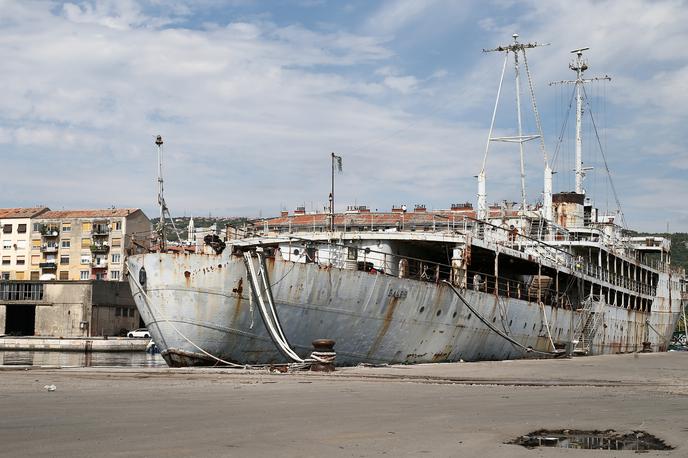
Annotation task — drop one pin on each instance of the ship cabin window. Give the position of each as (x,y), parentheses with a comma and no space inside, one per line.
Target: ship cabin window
(352,253)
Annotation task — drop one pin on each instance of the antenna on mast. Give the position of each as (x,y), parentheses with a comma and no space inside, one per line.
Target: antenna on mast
(516,47)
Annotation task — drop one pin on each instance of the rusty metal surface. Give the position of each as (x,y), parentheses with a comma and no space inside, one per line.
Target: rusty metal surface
(373,318)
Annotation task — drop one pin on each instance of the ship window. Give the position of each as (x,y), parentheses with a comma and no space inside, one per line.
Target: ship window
(421,310)
(439,312)
(469,316)
(352,253)
(296,251)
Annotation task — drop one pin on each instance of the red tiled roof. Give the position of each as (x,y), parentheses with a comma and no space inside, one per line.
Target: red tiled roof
(380,219)
(110,212)
(22,212)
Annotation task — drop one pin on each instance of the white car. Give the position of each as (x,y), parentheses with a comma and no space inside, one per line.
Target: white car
(141,332)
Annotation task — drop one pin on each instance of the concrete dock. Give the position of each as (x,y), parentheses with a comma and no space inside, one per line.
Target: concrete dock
(80,344)
(463,409)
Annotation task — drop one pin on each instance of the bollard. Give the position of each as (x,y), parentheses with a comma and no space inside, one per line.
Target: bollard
(323,353)
(647,347)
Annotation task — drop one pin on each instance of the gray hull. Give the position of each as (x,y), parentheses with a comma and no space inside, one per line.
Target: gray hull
(198,310)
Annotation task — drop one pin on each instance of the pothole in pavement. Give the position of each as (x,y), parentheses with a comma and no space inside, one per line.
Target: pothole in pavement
(592,440)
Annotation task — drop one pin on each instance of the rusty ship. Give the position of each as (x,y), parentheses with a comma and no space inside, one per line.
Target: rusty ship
(418,285)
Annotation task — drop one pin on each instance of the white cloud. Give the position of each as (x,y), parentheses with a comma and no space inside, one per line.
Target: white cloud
(250,108)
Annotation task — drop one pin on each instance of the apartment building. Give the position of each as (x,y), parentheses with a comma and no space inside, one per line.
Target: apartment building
(87,244)
(15,232)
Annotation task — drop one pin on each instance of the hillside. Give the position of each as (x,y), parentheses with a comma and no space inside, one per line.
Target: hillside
(182,224)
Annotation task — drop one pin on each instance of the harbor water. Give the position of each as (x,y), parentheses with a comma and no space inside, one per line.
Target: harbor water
(81,359)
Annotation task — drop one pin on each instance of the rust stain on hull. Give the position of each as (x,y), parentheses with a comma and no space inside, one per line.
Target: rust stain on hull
(387,320)
(237,304)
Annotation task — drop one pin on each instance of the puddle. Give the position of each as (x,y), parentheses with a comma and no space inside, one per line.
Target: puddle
(592,440)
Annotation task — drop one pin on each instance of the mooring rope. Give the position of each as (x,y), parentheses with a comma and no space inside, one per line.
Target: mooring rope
(487,323)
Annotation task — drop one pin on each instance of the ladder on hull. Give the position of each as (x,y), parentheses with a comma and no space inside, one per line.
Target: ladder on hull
(589,321)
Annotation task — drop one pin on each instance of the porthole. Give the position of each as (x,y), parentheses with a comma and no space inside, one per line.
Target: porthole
(510,321)
(296,251)
(469,316)
(142,277)
(494,318)
(439,312)
(454,315)
(421,310)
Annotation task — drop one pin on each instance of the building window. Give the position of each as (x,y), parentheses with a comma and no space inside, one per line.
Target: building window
(35,275)
(116,258)
(6,228)
(84,274)
(21,229)
(85,227)
(35,244)
(6,244)
(19,275)
(5,275)
(67,227)
(66,243)
(86,243)
(36,227)
(64,275)
(118,226)
(116,242)
(21,260)
(85,259)
(21,244)
(114,275)
(64,259)
(35,259)
(6,261)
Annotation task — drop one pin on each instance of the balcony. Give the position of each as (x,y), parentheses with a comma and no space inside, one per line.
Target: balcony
(50,231)
(49,248)
(99,265)
(100,230)
(51,265)
(100,248)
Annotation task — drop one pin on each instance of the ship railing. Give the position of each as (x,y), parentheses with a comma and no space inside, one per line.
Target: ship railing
(515,289)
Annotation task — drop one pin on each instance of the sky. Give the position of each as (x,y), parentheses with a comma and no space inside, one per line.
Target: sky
(251,97)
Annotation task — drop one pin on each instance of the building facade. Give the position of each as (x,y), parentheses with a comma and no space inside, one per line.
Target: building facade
(15,250)
(87,244)
(66,308)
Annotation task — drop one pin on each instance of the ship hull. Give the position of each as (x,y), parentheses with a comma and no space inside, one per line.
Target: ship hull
(198,310)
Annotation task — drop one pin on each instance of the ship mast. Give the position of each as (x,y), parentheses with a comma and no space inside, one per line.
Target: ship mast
(161,199)
(580,65)
(515,48)
(164,211)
